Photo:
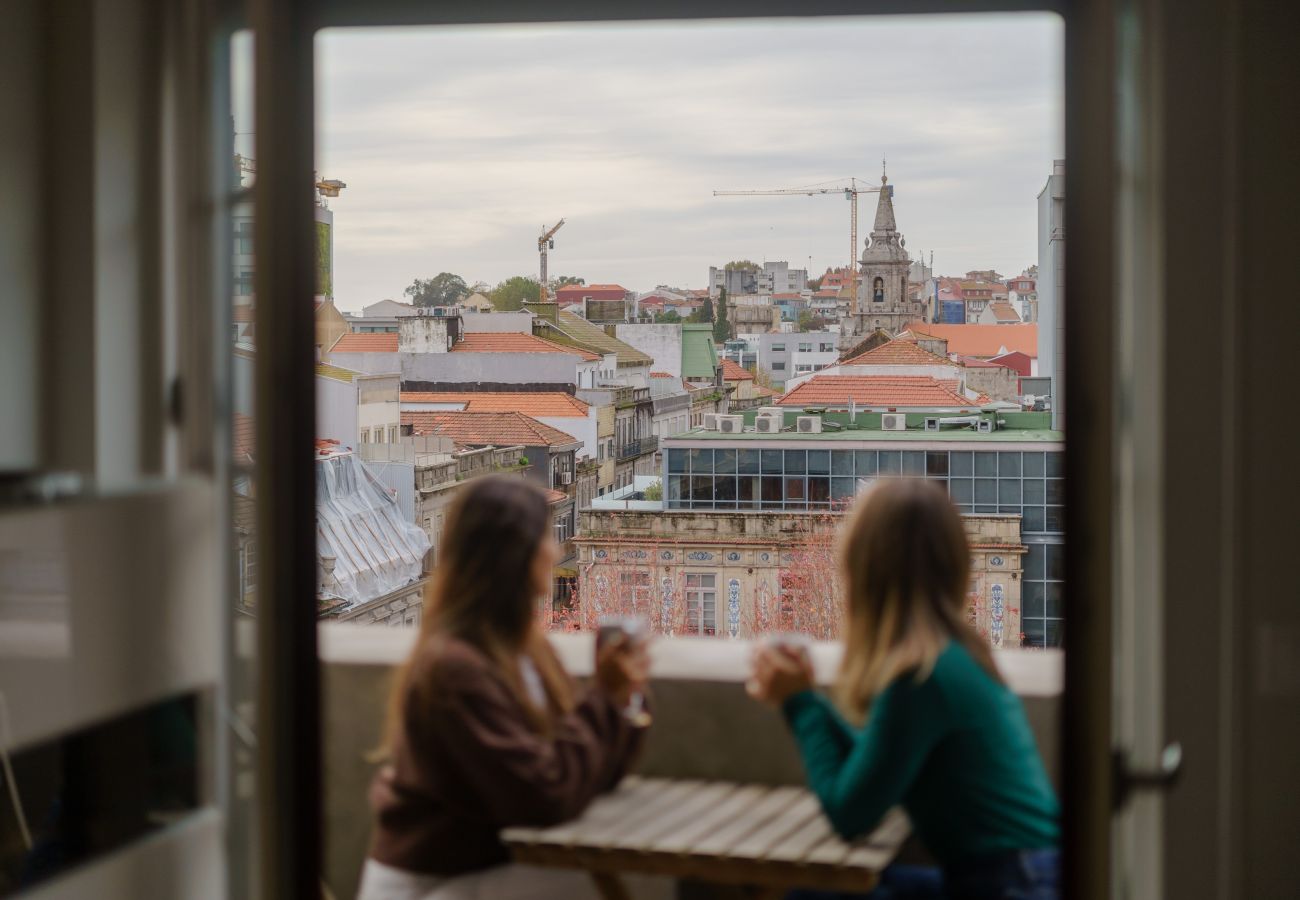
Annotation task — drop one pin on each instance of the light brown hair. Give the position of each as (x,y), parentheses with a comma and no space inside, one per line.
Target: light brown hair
(482,593)
(905,565)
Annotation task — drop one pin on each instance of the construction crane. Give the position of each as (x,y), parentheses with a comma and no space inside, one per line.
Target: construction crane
(544,243)
(851,190)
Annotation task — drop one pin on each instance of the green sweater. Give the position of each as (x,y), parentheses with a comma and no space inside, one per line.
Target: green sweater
(955,750)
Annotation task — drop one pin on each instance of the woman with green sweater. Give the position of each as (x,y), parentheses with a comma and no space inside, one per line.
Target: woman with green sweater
(940,734)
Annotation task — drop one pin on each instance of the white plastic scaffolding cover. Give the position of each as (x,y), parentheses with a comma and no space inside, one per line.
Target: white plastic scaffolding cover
(359,524)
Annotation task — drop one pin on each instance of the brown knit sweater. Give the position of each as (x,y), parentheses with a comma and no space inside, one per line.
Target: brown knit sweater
(467,763)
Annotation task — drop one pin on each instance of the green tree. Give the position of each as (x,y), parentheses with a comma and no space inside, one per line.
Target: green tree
(443,289)
(565,281)
(706,310)
(815,284)
(668,318)
(742,264)
(510,294)
(721,327)
(810,321)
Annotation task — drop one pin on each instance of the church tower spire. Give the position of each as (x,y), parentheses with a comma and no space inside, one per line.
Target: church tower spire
(884,224)
(884,294)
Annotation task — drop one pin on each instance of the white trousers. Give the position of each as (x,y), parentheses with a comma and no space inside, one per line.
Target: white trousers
(508,882)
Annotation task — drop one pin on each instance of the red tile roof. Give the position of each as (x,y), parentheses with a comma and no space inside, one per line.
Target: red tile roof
(481,429)
(357,342)
(983,340)
(898,352)
(662,375)
(513,342)
(551,404)
(734,371)
(1004,311)
(554,497)
(874,390)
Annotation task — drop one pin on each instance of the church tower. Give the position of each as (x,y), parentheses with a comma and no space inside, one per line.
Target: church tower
(883,300)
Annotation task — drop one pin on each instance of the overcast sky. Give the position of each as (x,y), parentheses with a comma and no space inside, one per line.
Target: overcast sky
(457,144)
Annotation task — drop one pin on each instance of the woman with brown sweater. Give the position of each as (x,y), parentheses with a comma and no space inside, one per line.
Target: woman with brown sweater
(485,728)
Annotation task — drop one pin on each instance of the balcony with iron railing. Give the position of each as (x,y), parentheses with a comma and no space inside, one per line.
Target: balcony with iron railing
(641,446)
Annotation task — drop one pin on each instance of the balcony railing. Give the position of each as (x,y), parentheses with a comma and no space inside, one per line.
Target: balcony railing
(639,447)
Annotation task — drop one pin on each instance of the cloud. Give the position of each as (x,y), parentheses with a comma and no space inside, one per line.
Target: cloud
(457,144)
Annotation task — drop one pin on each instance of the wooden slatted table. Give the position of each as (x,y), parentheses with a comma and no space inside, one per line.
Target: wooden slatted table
(767,839)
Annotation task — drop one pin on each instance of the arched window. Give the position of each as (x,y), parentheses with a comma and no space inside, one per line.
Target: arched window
(878,290)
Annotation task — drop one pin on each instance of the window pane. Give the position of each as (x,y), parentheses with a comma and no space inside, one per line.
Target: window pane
(1054,635)
(819,489)
(1009,463)
(986,490)
(677,461)
(795,490)
(913,462)
(843,488)
(1034,464)
(1055,519)
(701,488)
(1032,600)
(796,462)
(724,491)
(1056,464)
(1032,519)
(1009,491)
(960,463)
(1055,491)
(819,462)
(866,462)
(724,461)
(773,491)
(676,484)
(1055,599)
(936,462)
(890,462)
(986,463)
(701,461)
(1034,632)
(1033,490)
(747,490)
(1035,561)
(959,489)
(1056,562)
(747,462)
(773,462)
(841,462)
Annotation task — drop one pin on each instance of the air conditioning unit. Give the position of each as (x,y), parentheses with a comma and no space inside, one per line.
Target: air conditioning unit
(987,426)
(771,411)
(768,424)
(931,423)
(731,424)
(710,421)
(893,422)
(566,478)
(808,424)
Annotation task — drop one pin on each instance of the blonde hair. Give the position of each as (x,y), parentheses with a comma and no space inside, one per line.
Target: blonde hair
(905,566)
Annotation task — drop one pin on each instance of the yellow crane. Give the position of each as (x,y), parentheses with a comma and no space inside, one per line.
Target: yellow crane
(850,190)
(544,243)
